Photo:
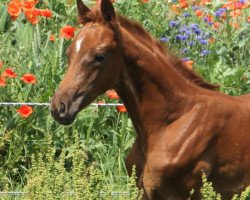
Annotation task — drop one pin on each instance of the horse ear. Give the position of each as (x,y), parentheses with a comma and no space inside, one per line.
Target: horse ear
(85,14)
(108,11)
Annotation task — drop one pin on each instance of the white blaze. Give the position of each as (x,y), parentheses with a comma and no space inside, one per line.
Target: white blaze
(78,45)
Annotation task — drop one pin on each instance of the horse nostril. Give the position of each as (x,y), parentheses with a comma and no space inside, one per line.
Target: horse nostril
(62,107)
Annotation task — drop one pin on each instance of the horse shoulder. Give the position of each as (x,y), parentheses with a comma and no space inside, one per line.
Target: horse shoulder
(185,146)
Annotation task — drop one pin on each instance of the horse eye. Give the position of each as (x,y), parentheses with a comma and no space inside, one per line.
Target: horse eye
(99,58)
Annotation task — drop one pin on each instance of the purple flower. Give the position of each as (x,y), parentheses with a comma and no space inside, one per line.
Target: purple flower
(173,23)
(220,12)
(197,31)
(203,42)
(194,26)
(185,59)
(185,30)
(191,43)
(204,52)
(181,37)
(195,7)
(186,14)
(242,1)
(185,50)
(188,32)
(206,19)
(164,39)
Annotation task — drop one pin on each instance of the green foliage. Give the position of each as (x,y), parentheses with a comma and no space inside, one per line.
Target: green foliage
(66,176)
(207,191)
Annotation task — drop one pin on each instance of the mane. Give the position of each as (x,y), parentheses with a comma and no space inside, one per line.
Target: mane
(178,64)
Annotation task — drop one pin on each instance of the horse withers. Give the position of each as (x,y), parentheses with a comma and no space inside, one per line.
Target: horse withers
(184,126)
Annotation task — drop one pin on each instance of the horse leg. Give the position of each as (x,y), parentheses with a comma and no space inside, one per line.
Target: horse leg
(136,158)
(155,189)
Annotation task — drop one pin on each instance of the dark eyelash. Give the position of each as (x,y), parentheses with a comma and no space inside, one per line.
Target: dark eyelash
(99,58)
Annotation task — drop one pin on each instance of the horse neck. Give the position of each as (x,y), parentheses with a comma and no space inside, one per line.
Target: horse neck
(153,91)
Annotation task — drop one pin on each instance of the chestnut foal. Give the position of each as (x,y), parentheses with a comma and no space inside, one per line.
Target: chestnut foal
(183,126)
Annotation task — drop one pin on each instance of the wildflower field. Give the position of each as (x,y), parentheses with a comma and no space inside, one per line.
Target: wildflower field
(45,160)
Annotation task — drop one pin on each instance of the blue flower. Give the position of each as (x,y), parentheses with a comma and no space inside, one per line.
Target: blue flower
(204,52)
(194,26)
(242,1)
(173,23)
(203,42)
(181,37)
(197,31)
(206,19)
(185,50)
(220,12)
(186,30)
(191,43)
(195,7)
(185,59)
(164,39)
(186,14)
(182,29)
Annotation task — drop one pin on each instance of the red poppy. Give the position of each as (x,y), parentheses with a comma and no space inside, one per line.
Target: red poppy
(67,32)
(212,40)
(228,5)
(216,25)
(205,2)
(14,9)
(199,13)
(32,16)
(174,8)
(52,38)
(183,3)
(25,111)
(29,5)
(235,13)
(235,25)
(2,82)
(189,64)
(8,72)
(121,108)
(144,1)
(29,78)
(19,3)
(112,94)
(46,13)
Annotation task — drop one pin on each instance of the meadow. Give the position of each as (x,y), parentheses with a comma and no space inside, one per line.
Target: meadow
(45,160)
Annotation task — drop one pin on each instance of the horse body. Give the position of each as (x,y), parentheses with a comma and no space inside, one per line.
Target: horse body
(183,126)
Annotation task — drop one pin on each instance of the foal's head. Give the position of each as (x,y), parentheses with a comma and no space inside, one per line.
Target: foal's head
(94,62)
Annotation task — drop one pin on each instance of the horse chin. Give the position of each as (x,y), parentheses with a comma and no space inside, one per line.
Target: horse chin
(66,120)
